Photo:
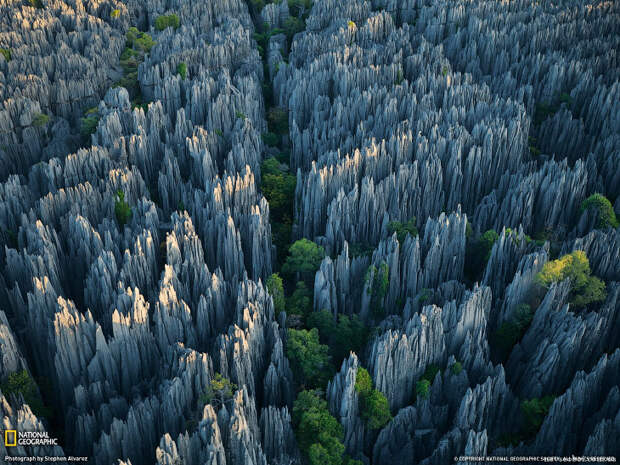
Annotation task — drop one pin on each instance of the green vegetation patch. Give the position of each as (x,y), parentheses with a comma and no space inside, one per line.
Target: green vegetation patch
(122,210)
(374,406)
(6,53)
(115,14)
(606,215)
(219,391)
(403,229)
(318,433)
(342,334)
(165,21)
(20,382)
(379,288)
(585,288)
(40,119)
(275,287)
(310,360)
(182,70)
(512,330)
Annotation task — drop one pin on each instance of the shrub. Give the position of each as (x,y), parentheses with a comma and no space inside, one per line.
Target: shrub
(456,368)
(534,412)
(122,210)
(240,115)
(300,301)
(422,388)
(219,132)
(478,253)
(512,330)
(309,358)
(379,288)
(35,3)
(430,372)
(606,215)
(88,125)
(351,24)
(40,119)
(20,382)
(304,258)
(219,391)
(278,187)
(585,289)
(374,407)
(182,70)
(6,53)
(343,335)
(138,41)
(292,26)
(276,289)
(402,229)
(164,21)
(115,14)
(318,433)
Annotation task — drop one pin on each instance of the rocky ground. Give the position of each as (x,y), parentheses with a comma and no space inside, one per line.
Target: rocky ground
(455,163)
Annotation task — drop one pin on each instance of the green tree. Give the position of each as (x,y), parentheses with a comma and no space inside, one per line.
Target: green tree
(304,258)
(376,410)
(456,368)
(374,407)
(40,119)
(219,391)
(318,433)
(278,188)
(309,358)
(422,388)
(164,21)
(6,53)
(512,330)
(122,210)
(534,412)
(276,289)
(115,14)
(606,215)
(182,70)
(20,382)
(343,335)
(478,253)
(363,382)
(402,229)
(300,301)
(379,288)
(585,288)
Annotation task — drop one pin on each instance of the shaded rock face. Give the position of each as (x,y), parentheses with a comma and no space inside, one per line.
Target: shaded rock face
(413,128)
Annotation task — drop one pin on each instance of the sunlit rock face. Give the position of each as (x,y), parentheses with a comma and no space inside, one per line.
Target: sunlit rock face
(138,232)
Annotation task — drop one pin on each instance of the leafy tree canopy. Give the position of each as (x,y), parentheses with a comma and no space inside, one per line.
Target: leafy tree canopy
(402,229)
(585,289)
(309,358)
(300,302)
(304,257)
(276,289)
(606,215)
(534,412)
(219,391)
(20,382)
(318,433)
(122,210)
(375,409)
(164,21)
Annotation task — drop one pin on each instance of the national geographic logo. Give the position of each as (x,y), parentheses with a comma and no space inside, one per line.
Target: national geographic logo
(14,438)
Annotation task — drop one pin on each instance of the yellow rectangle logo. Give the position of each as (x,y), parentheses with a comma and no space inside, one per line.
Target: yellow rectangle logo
(10,438)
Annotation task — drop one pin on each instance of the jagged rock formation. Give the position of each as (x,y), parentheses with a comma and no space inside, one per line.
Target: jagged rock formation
(413,128)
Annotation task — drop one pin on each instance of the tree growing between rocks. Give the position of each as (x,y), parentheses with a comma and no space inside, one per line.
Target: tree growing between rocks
(585,288)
